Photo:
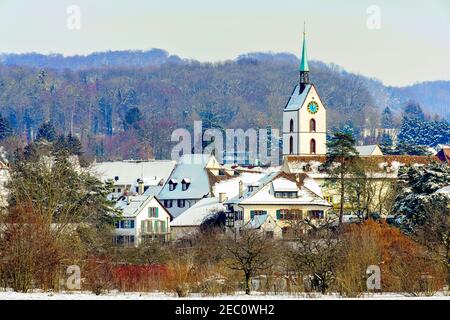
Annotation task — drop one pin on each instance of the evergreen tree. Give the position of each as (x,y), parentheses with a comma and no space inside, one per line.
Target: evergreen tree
(386,144)
(46,132)
(74,145)
(387,119)
(417,187)
(5,128)
(132,117)
(71,144)
(341,161)
(413,111)
(417,132)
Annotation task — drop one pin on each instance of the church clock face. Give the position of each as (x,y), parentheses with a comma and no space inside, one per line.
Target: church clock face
(313,107)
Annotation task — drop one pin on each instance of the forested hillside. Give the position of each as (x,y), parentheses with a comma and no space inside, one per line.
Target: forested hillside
(126,104)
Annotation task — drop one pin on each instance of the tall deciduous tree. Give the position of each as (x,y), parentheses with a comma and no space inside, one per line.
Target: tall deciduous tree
(5,128)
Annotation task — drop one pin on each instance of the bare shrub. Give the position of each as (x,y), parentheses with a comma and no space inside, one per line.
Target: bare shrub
(181,274)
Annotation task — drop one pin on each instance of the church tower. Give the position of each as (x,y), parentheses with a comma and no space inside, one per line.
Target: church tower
(304,116)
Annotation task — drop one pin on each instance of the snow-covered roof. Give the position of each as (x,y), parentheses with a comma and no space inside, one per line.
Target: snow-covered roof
(284,185)
(195,215)
(308,193)
(297,100)
(368,150)
(257,221)
(128,172)
(196,173)
(445,190)
(231,186)
(132,206)
(206,160)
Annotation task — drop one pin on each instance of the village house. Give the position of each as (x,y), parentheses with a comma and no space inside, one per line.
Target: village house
(132,177)
(189,182)
(369,150)
(273,202)
(381,172)
(142,217)
(223,188)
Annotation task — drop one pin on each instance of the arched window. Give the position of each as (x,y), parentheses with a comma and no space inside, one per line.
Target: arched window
(291,145)
(312,125)
(291,125)
(312,146)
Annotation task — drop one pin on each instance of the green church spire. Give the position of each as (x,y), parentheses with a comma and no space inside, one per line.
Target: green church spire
(304,63)
(304,68)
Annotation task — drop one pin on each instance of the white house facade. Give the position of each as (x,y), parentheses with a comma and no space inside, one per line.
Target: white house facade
(143,217)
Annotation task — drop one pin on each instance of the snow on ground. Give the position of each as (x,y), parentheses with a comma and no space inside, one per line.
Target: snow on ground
(11,295)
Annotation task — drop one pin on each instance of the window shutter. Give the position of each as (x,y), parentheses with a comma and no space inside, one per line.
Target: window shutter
(143,226)
(278,214)
(156,212)
(252,214)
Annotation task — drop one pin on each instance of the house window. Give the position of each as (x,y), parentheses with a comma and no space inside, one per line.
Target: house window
(312,146)
(172,185)
(181,203)
(119,190)
(168,203)
(291,145)
(287,194)
(312,125)
(124,240)
(185,185)
(315,214)
(286,214)
(291,125)
(153,212)
(125,224)
(254,213)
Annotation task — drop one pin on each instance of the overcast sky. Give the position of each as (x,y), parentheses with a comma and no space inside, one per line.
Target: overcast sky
(411,45)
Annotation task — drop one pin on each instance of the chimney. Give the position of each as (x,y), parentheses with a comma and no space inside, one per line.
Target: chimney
(140,186)
(222,197)
(241,189)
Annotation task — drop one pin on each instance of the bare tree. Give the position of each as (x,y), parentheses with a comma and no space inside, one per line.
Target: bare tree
(315,252)
(251,253)
(434,233)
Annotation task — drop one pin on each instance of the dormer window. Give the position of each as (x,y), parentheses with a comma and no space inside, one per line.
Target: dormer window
(172,184)
(185,183)
(286,194)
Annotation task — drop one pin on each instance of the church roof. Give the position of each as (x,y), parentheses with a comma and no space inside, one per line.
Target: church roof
(297,100)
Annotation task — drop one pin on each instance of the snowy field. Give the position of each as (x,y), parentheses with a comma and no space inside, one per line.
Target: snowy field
(11,295)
